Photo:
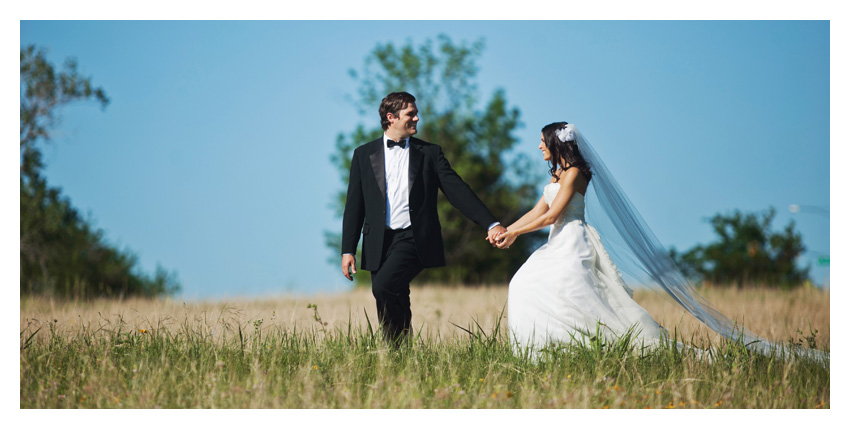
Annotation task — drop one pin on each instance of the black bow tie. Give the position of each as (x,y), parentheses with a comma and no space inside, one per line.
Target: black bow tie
(391,143)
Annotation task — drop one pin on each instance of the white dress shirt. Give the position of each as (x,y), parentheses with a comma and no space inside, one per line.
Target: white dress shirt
(396,172)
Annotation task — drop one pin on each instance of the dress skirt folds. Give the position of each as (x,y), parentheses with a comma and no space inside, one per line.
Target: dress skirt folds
(570,290)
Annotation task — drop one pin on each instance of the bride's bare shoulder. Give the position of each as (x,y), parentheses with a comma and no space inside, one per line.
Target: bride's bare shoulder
(573,177)
(566,176)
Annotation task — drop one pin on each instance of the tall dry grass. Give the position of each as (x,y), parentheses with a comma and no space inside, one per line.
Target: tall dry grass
(773,314)
(318,352)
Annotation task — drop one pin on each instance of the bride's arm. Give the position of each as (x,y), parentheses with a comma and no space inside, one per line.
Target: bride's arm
(532,214)
(550,215)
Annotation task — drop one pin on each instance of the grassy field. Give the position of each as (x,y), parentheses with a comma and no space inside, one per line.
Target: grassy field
(320,352)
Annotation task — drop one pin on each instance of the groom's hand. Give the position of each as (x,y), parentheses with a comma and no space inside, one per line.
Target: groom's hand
(495,232)
(348,262)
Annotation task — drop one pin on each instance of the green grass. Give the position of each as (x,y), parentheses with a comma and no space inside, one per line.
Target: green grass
(250,366)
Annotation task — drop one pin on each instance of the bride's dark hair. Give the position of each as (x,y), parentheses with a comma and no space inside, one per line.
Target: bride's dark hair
(563,153)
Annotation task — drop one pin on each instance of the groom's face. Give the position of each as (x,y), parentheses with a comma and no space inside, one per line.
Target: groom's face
(405,124)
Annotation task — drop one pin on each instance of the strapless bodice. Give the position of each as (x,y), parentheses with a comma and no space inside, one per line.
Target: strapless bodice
(573,211)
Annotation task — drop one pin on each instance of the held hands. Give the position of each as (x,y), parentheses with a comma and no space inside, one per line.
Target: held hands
(501,237)
(505,240)
(494,233)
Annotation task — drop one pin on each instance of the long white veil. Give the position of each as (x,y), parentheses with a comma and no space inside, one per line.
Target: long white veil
(639,254)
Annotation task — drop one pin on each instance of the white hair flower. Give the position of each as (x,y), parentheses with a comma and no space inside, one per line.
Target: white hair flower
(565,135)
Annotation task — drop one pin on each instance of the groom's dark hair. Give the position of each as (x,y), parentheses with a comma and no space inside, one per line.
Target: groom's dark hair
(393,103)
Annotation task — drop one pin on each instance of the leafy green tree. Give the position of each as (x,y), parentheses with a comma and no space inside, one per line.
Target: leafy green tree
(747,252)
(476,141)
(61,253)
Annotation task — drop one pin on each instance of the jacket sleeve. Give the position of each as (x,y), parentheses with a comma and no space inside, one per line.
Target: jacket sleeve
(460,195)
(352,218)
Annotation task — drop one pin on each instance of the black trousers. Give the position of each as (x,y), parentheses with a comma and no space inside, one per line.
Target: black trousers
(391,282)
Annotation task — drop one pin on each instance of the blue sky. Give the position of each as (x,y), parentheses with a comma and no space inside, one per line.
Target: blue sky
(213,157)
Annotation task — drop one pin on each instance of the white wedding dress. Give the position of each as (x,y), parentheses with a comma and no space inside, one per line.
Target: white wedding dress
(569,289)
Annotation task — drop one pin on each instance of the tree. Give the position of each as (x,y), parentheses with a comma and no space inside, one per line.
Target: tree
(746,253)
(61,253)
(476,141)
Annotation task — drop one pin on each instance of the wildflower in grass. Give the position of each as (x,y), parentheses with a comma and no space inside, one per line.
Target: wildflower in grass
(144,331)
(315,367)
(717,404)
(681,404)
(606,407)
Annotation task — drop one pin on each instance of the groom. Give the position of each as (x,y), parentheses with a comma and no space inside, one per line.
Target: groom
(392,196)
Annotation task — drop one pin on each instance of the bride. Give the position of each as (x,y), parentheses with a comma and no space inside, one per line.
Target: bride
(570,288)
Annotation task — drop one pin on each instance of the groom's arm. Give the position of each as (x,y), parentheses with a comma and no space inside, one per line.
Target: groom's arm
(353,216)
(461,196)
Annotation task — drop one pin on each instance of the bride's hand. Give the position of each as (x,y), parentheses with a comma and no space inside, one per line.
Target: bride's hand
(506,239)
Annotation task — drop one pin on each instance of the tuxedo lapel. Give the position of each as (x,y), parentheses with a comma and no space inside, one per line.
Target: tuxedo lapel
(377,161)
(416,157)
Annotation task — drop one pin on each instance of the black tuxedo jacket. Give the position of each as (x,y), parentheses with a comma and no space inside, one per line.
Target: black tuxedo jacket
(366,203)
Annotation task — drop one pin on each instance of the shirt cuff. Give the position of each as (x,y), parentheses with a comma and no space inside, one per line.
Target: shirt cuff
(493,226)
(347,254)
